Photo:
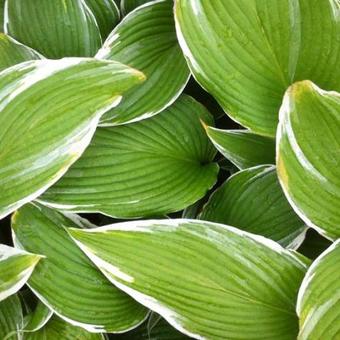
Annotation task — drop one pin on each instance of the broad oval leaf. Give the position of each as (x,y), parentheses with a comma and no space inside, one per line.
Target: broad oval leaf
(148,168)
(66,281)
(246,53)
(57,28)
(129,5)
(57,328)
(308,160)
(242,147)
(106,13)
(16,266)
(253,200)
(38,318)
(146,39)
(319,299)
(12,52)
(208,280)
(49,110)
(11,318)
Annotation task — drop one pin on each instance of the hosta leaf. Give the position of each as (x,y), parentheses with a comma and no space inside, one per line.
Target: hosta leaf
(129,5)
(11,318)
(106,13)
(12,52)
(58,28)
(38,319)
(253,200)
(57,328)
(319,298)
(146,40)
(16,266)
(148,168)
(66,281)
(308,155)
(246,53)
(243,148)
(208,280)
(49,110)
(2,12)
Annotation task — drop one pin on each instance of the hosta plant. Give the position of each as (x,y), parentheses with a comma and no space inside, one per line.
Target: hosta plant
(169,169)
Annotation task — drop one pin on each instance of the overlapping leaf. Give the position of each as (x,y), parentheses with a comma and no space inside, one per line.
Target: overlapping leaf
(57,29)
(16,266)
(207,280)
(308,155)
(12,52)
(11,318)
(243,148)
(129,5)
(246,53)
(148,168)
(106,13)
(253,200)
(66,281)
(38,318)
(146,40)
(49,110)
(319,298)
(56,328)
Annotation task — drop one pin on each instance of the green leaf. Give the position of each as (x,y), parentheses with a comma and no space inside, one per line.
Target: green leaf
(2,12)
(66,281)
(129,5)
(243,148)
(246,53)
(16,266)
(146,39)
(57,29)
(11,318)
(319,298)
(253,200)
(149,168)
(208,280)
(308,155)
(106,13)
(56,328)
(12,52)
(38,319)
(49,113)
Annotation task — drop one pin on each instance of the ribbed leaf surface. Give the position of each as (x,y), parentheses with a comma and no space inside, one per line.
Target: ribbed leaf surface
(308,155)
(146,39)
(129,5)
(38,318)
(253,200)
(11,318)
(208,280)
(57,28)
(66,281)
(49,110)
(57,329)
(12,52)
(243,148)
(148,168)
(106,13)
(247,52)
(16,266)
(319,298)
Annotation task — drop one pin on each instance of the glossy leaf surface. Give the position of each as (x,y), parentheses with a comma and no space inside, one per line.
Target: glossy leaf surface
(253,200)
(319,299)
(246,53)
(308,155)
(66,281)
(49,113)
(148,168)
(16,266)
(207,280)
(146,40)
(57,29)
